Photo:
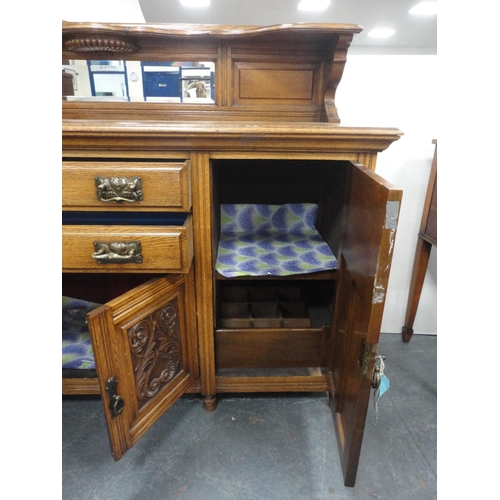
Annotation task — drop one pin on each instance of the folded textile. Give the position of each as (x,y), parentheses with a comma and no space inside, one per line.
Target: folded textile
(277,240)
(76,344)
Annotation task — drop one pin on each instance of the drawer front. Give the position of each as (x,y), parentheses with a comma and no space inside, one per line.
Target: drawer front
(165,249)
(126,186)
(270,348)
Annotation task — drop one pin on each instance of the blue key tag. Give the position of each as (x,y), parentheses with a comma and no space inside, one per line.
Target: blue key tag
(384,386)
(381,384)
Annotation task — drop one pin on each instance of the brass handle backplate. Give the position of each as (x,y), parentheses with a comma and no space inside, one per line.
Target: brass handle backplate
(117,252)
(119,189)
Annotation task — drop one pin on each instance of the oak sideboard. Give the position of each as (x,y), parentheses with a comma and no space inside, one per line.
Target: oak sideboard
(236,240)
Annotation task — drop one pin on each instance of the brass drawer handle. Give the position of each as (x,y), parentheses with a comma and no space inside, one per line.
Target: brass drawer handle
(119,189)
(117,252)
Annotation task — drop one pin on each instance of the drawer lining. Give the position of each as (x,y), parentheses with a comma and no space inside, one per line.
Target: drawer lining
(124,218)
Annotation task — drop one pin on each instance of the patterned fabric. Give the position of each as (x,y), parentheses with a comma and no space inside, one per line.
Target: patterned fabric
(76,346)
(277,240)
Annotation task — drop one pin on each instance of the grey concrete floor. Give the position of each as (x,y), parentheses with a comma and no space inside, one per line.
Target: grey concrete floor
(265,447)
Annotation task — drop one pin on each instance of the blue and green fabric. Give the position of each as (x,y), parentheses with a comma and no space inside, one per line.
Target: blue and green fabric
(276,240)
(76,345)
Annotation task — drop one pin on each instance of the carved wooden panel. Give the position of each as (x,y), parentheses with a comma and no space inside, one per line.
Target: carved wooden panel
(156,350)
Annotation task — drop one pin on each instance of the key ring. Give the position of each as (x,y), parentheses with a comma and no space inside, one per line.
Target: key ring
(378,372)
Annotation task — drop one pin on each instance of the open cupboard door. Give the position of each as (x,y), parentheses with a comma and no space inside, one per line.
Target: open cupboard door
(143,357)
(368,236)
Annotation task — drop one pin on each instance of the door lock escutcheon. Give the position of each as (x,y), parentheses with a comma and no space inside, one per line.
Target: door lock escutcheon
(116,402)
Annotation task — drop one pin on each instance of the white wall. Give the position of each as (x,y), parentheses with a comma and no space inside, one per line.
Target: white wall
(399,91)
(102,11)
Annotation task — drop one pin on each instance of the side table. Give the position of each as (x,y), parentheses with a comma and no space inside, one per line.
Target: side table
(427,237)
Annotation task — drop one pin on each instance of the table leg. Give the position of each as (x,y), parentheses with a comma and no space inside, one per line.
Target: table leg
(422,254)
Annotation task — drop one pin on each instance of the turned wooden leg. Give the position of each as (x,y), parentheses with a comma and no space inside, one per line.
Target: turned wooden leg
(209,403)
(406,332)
(422,255)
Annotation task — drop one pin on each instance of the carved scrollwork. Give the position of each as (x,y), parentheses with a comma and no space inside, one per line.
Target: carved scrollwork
(100,45)
(138,337)
(119,189)
(156,351)
(168,319)
(147,386)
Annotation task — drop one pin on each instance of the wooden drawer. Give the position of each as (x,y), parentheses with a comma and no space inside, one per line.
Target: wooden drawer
(121,248)
(126,186)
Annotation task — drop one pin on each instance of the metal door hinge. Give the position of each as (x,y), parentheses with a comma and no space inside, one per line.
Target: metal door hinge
(364,359)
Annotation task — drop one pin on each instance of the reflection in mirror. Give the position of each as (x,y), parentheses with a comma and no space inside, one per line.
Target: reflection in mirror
(139,81)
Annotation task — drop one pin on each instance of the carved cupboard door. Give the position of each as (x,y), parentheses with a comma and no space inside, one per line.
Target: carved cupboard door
(144,346)
(369,231)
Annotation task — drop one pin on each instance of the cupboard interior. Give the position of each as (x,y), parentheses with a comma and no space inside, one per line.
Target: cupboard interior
(270,324)
(97,288)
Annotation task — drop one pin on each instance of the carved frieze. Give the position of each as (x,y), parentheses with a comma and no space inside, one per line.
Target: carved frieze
(99,45)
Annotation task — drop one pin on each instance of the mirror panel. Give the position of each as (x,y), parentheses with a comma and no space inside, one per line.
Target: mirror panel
(139,81)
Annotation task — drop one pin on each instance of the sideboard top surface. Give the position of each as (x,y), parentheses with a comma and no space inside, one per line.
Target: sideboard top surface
(225,135)
(138,31)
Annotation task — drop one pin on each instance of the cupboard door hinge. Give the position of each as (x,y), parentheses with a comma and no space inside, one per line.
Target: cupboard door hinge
(364,358)
(116,402)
